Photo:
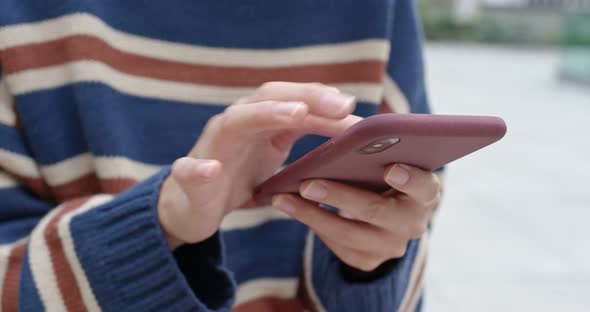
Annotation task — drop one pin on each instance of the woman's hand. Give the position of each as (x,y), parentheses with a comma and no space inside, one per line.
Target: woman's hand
(371,228)
(242,147)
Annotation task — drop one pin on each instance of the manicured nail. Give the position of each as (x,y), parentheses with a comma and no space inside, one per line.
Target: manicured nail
(286,109)
(284,204)
(398,175)
(337,102)
(315,191)
(206,168)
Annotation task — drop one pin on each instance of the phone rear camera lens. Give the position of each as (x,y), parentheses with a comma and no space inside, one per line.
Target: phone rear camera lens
(379,145)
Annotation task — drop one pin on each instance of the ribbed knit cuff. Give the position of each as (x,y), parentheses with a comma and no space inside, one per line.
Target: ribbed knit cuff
(338,293)
(128,263)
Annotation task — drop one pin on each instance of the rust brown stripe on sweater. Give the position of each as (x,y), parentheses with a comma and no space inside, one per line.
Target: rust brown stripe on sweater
(83,47)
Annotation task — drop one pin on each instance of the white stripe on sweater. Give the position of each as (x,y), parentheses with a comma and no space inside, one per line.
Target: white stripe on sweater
(42,266)
(18,164)
(66,237)
(86,24)
(4,257)
(395,98)
(410,298)
(284,288)
(6,181)
(92,71)
(70,169)
(250,217)
(106,167)
(122,167)
(7,114)
(308,273)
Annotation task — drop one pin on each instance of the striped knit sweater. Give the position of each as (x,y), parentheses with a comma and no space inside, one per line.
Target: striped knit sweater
(97,98)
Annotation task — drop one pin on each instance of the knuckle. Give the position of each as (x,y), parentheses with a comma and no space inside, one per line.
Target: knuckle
(242,100)
(231,109)
(313,88)
(436,199)
(373,211)
(436,180)
(316,85)
(398,250)
(367,263)
(213,124)
(223,121)
(216,121)
(348,236)
(436,184)
(351,235)
(267,87)
(322,87)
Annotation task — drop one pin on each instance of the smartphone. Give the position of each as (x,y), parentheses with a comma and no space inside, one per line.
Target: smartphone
(359,155)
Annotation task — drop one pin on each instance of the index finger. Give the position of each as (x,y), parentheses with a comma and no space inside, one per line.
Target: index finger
(263,116)
(327,127)
(323,100)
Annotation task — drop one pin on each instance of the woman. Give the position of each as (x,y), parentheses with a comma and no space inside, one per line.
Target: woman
(99,97)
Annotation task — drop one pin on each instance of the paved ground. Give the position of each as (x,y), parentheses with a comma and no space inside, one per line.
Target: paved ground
(514,230)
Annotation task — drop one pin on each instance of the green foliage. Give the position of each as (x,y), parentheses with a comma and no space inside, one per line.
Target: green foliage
(440,24)
(520,26)
(506,25)
(577,28)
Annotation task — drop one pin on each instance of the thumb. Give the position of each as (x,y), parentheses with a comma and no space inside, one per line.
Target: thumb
(195,177)
(189,172)
(192,217)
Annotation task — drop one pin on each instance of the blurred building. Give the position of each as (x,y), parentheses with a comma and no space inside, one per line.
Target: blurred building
(467,10)
(564,23)
(519,21)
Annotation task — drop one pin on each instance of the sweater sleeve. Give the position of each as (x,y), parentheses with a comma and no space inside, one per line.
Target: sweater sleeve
(398,288)
(98,252)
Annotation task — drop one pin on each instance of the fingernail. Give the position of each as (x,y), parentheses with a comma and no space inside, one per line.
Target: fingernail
(286,109)
(337,102)
(315,191)
(206,168)
(398,175)
(284,204)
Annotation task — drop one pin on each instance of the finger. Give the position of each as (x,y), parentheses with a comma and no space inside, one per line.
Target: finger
(395,247)
(323,100)
(420,185)
(195,180)
(367,206)
(195,177)
(262,116)
(284,140)
(321,126)
(361,260)
(403,218)
(328,127)
(350,233)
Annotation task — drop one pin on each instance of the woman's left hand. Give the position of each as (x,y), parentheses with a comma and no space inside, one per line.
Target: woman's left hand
(379,227)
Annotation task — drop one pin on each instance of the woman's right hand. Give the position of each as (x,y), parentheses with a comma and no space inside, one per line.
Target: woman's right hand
(242,147)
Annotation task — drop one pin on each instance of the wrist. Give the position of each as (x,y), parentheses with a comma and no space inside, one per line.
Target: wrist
(173,242)
(165,208)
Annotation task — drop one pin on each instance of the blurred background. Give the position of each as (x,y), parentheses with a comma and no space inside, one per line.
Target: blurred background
(513,233)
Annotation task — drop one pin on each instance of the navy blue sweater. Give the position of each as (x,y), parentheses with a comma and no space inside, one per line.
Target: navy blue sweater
(97,98)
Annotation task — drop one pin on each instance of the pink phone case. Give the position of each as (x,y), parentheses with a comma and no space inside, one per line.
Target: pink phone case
(425,141)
